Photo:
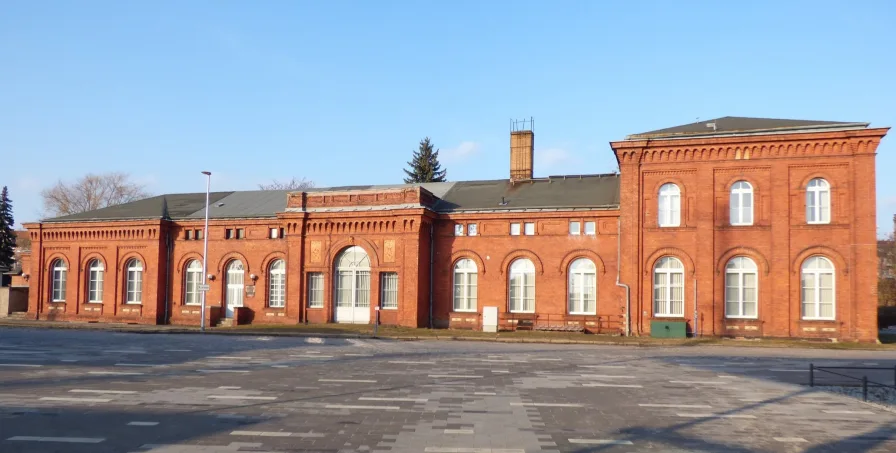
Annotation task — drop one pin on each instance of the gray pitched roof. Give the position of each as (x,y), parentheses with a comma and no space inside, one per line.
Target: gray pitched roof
(556,192)
(734,124)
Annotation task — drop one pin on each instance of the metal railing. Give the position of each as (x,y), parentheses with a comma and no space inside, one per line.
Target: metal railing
(864,379)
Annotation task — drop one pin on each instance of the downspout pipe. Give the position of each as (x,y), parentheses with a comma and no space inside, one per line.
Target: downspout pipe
(628,297)
(167,273)
(431,262)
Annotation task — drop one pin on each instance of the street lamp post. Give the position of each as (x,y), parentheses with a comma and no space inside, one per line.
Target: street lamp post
(204,289)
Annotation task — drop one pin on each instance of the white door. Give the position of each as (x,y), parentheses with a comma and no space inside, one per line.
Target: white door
(234,296)
(352,295)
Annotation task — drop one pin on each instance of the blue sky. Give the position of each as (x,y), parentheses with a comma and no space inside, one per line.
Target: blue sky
(340,92)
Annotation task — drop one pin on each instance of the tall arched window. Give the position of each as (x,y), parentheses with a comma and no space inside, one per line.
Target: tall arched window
(59,270)
(818,201)
(741,203)
(817,284)
(582,298)
(465,285)
(741,288)
(193,279)
(277,284)
(668,287)
(522,286)
(669,206)
(235,286)
(134,284)
(95,271)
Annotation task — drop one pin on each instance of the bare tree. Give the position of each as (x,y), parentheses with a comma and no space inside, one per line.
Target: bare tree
(91,192)
(292,184)
(886,283)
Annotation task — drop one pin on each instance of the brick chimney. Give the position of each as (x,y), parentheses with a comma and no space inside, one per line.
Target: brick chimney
(522,150)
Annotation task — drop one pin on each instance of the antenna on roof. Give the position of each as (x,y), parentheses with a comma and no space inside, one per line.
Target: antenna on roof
(712,125)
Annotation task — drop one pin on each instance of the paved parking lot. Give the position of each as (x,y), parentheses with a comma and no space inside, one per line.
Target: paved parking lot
(84,391)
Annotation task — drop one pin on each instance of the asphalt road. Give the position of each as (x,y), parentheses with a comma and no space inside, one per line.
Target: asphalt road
(87,391)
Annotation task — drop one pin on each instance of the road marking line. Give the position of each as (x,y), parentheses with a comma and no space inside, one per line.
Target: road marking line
(242,397)
(314,340)
(229,387)
(500,371)
(177,350)
(870,363)
(121,351)
(116,373)
(459,431)
(312,352)
(21,365)
(547,360)
(311,356)
(495,360)
(699,382)
(602,366)
(472,450)
(148,365)
(485,393)
(600,384)
(411,362)
(116,392)
(605,376)
(412,400)
(306,388)
(68,360)
(231,357)
(681,406)
(547,404)
(365,381)
(849,412)
(279,366)
(600,441)
(785,370)
(790,439)
(726,376)
(350,406)
(262,433)
(143,423)
(716,416)
(459,376)
(71,440)
(223,371)
(357,354)
(75,400)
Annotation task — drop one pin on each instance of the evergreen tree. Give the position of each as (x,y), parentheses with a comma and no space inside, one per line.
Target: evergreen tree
(424,166)
(7,235)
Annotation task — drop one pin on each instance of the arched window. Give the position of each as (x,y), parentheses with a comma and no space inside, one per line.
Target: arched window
(465,285)
(670,206)
(818,201)
(741,203)
(741,288)
(95,270)
(668,287)
(134,284)
(235,286)
(818,288)
(277,284)
(193,279)
(59,270)
(582,296)
(522,286)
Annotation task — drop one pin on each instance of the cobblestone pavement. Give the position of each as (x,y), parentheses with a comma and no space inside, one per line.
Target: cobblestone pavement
(84,391)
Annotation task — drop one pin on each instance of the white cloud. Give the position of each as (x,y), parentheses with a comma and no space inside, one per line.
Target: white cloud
(460,152)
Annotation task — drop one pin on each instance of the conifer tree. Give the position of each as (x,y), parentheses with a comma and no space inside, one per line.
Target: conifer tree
(7,235)
(424,165)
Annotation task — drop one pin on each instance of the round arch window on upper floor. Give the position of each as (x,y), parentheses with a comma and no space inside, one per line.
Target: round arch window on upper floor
(669,209)
(741,203)
(818,201)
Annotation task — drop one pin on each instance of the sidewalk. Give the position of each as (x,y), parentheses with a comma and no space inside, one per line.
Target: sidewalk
(411,334)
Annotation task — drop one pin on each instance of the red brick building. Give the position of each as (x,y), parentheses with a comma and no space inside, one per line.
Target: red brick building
(734,226)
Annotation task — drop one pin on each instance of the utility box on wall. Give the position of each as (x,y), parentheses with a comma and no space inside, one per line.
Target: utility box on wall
(668,329)
(489,319)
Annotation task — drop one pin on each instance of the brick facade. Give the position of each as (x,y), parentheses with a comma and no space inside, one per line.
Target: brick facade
(402,233)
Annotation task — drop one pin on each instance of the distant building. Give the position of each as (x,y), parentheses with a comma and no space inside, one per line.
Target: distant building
(736,226)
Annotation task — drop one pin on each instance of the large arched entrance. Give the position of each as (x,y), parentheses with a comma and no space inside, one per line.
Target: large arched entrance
(352,295)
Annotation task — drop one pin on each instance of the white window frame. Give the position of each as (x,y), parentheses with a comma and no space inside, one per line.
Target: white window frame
(816,303)
(95,275)
(516,229)
(524,269)
(472,229)
(529,228)
(466,280)
(133,274)
(669,205)
(593,229)
(575,228)
(741,266)
(739,214)
(459,229)
(663,308)
(815,207)
(315,290)
(192,280)
(274,233)
(58,282)
(580,275)
(389,291)
(277,284)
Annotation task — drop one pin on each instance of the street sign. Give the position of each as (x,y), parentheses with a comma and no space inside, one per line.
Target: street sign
(202,287)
